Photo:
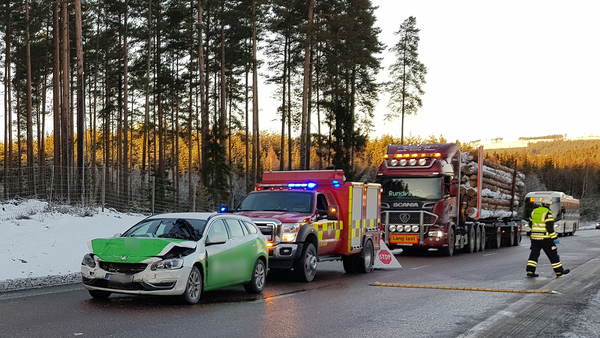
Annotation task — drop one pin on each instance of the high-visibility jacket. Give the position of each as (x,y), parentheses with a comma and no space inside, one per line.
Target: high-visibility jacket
(542,224)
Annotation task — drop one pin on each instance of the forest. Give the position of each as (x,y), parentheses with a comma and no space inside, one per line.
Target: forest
(122,102)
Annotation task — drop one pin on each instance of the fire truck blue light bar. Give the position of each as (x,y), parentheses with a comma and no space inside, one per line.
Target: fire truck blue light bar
(309,185)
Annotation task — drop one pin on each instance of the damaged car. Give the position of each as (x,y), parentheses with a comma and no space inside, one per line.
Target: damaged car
(181,254)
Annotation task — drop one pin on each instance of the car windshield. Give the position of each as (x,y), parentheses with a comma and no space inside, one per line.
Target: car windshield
(189,229)
(403,188)
(293,201)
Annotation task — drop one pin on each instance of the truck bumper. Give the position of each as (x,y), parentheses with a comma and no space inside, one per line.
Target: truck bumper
(282,256)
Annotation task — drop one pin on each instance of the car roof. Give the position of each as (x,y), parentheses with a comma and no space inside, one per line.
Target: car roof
(189,215)
(198,215)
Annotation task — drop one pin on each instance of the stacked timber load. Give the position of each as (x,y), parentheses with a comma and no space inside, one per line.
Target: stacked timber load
(496,189)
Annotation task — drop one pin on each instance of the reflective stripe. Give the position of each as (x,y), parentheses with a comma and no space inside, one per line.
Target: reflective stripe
(557,265)
(532,263)
(328,228)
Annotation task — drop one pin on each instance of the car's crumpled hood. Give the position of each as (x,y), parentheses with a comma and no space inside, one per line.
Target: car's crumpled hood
(133,249)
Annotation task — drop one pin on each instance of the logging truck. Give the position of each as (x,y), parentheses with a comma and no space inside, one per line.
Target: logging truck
(437,198)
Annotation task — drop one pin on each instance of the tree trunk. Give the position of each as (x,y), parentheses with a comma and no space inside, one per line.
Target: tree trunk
(125,102)
(305,127)
(283,102)
(65,108)
(56,85)
(256,150)
(80,99)
(29,122)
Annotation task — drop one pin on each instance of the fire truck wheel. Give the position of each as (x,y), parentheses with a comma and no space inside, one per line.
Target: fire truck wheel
(449,250)
(348,264)
(305,267)
(366,259)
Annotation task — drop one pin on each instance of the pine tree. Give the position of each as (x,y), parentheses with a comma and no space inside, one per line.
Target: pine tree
(407,73)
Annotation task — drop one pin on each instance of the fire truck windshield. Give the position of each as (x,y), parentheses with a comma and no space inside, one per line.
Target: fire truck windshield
(293,201)
(402,188)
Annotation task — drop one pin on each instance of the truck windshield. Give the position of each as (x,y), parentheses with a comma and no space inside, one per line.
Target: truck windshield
(402,188)
(293,201)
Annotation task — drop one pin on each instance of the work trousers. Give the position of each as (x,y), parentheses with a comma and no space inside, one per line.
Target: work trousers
(550,249)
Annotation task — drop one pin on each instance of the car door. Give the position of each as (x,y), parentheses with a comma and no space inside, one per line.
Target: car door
(244,253)
(219,252)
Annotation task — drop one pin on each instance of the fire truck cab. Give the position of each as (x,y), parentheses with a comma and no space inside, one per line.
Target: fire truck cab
(313,216)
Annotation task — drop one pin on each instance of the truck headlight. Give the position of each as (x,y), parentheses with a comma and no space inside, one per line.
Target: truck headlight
(436,234)
(88,260)
(415,228)
(289,231)
(167,264)
(392,227)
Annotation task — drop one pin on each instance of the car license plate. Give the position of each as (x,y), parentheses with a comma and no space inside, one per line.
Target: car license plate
(401,239)
(118,278)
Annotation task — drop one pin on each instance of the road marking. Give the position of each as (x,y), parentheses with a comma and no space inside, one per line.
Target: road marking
(489,254)
(421,267)
(413,286)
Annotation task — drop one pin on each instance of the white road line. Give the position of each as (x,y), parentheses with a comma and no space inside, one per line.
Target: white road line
(489,254)
(421,267)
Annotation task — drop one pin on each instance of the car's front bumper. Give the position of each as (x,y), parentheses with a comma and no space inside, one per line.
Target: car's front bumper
(160,282)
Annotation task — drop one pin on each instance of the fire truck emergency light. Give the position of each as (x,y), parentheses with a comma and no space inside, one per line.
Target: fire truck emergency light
(309,185)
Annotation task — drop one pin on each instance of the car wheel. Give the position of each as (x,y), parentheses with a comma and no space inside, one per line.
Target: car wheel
(193,288)
(305,267)
(259,278)
(483,237)
(98,294)
(366,259)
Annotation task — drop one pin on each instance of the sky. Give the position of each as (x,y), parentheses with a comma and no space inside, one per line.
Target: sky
(498,69)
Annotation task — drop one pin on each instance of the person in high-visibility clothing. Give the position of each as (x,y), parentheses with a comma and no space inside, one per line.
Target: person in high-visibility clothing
(543,237)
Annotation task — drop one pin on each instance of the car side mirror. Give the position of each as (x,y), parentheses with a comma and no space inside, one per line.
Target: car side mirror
(333,213)
(118,234)
(216,239)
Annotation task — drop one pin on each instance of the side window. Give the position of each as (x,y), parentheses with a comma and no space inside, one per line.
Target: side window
(251,228)
(217,232)
(235,228)
(321,202)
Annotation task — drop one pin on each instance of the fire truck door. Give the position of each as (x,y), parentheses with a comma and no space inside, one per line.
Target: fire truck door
(329,231)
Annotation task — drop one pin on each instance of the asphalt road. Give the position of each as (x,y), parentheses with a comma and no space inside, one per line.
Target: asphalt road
(343,305)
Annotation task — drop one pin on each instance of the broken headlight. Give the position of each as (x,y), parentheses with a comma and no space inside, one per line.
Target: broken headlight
(167,264)
(88,260)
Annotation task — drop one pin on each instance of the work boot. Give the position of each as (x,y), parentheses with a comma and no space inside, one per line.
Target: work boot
(532,274)
(565,272)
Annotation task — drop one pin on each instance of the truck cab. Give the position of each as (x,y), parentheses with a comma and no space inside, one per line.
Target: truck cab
(312,216)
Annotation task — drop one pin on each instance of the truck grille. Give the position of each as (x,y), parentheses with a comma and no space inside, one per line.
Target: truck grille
(269,229)
(409,217)
(126,268)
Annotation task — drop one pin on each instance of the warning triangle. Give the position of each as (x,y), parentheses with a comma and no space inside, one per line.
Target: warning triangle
(385,259)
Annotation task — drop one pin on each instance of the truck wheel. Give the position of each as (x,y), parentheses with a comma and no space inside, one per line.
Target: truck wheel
(449,250)
(470,247)
(477,238)
(259,278)
(365,260)
(517,237)
(510,240)
(306,266)
(496,242)
(348,264)
(483,237)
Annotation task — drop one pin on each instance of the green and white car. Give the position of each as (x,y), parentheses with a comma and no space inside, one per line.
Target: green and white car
(178,254)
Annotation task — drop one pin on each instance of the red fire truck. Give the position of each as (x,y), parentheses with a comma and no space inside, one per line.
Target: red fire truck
(314,216)
(421,205)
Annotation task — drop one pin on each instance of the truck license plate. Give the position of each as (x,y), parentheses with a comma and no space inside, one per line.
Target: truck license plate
(399,239)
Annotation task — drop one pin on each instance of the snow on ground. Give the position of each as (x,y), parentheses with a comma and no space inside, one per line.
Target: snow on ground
(43,245)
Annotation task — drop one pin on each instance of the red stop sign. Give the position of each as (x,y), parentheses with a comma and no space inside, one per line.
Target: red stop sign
(385,257)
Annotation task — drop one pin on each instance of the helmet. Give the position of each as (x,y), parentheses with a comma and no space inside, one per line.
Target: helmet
(546,203)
